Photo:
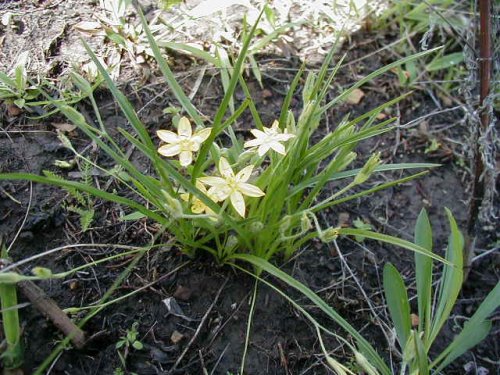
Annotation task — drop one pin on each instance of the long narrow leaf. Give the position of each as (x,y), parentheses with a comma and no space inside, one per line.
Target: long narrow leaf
(423,272)
(474,331)
(89,189)
(397,303)
(221,111)
(393,241)
(364,345)
(451,280)
(375,74)
(169,76)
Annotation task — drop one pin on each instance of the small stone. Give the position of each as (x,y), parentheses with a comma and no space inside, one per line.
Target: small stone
(176,337)
(414,320)
(355,96)
(266,93)
(182,293)
(13,110)
(344,220)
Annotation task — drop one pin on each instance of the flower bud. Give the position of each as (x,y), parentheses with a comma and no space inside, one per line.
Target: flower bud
(231,243)
(348,159)
(64,164)
(365,364)
(173,206)
(290,123)
(367,169)
(256,227)
(329,235)
(305,223)
(42,272)
(285,224)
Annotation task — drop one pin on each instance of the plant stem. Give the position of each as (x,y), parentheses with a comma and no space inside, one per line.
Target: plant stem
(13,355)
(484,89)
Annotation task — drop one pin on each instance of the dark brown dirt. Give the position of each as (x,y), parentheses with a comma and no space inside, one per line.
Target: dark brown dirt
(281,342)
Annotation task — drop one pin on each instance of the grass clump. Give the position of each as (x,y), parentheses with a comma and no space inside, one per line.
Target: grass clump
(258,196)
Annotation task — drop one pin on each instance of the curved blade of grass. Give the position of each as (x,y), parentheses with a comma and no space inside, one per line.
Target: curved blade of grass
(423,273)
(393,241)
(364,345)
(383,186)
(397,302)
(218,119)
(122,100)
(474,331)
(451,280)
(289,95)
(169,76)
(87,188)
(264,41)
(353,172)
(374,74)
(196,52)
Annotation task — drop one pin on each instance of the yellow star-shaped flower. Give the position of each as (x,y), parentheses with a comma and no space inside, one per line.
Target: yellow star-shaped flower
(198,207)
(269,138)
(232,186)
(184,143)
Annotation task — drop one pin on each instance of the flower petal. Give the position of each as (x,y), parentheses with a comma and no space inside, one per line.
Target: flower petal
(198,207)
(225,168)
(184,128)
(219,193)
(275,125)
(238,202)
(213,181)
(201,135)
(169,150)
(258,133)
(250,190)
(244,174)
(185,196)
(278,147)
(186,158)
(283,137)
(167,136)
(263,148)
(199,185)
(253,143)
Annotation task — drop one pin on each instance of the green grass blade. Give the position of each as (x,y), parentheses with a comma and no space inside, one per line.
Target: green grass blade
(474,331)
(423,273)
(219,116)
(375,74)
(122,100)
(451,280)
(186,48)
(393,241)
(88,189)
(289,96)
(397,303)
(352,173)
(364,345)
(169,76)
(363,193)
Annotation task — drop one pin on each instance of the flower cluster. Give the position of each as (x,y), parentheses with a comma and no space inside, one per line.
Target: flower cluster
(229,185)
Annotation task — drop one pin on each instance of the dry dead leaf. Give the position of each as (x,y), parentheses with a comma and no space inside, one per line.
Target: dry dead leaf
(176,337)
(355,96)
(64,127)
(13,110)
(381,116)
(89,27)
(414,320)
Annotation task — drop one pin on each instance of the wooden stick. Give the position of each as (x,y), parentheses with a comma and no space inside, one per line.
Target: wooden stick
(48,307)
